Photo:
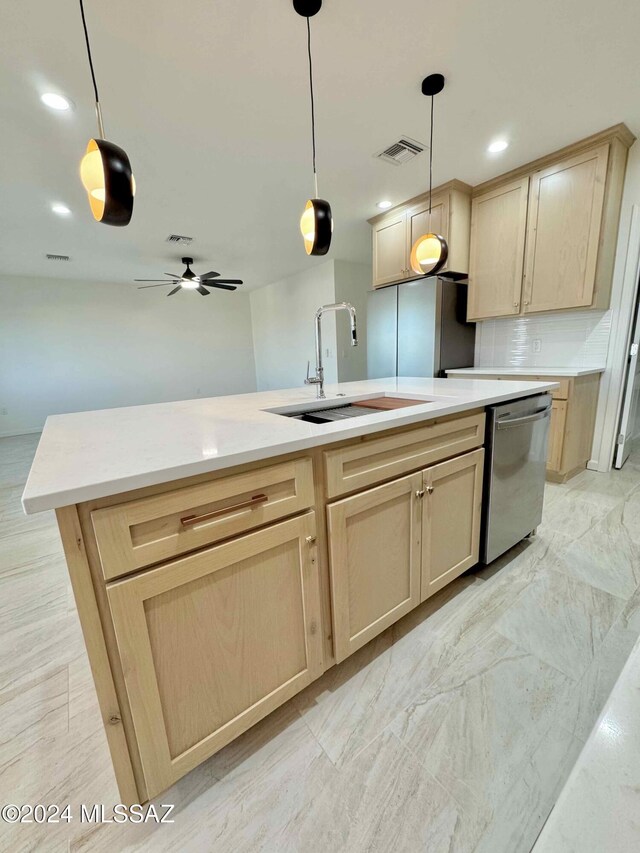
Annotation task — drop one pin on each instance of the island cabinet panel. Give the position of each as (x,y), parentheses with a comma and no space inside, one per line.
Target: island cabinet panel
(451,513)
(374,559)
(498,228)
(139,533)
(373,460)
(213,642)
(563,235)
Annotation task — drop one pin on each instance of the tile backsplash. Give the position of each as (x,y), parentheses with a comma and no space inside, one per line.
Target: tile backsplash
(562,339)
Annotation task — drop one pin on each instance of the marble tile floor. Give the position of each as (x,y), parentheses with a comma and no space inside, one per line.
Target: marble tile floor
(453,731)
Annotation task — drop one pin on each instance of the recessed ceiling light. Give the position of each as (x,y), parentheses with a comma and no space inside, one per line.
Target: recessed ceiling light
(384,205)
(497,146)
(55,101)
(60,209)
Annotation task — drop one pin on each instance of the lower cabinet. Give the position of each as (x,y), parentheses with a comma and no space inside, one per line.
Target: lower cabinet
(213,642)
(393,546)
(451,520)
(374,558)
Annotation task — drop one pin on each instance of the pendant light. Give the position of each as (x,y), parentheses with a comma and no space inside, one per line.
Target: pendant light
(430,251)
(316,223)
(105,169)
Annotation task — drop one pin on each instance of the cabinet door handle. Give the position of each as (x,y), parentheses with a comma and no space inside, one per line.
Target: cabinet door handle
(429,490)
(310,540)
(189,520)
(420,493)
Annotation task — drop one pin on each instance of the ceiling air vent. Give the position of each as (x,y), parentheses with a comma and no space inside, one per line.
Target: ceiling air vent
(401,152)
(58,257)
(179,239)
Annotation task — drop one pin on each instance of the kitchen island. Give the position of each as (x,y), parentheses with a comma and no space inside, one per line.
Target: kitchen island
(224,553)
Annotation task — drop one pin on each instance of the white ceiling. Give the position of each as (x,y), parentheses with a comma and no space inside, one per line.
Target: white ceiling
(210,100)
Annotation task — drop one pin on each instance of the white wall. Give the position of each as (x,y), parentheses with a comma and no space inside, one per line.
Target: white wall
(283,328)
(623,295)
(69,346)
(352,283)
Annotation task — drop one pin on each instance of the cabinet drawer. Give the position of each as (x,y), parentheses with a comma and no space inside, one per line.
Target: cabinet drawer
(376,459)
(138,533)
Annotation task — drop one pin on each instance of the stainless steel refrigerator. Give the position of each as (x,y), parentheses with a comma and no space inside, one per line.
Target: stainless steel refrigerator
(418,328)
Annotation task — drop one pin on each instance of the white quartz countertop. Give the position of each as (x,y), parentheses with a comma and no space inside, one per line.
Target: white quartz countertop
(90,455)
(526,371)
(598,810)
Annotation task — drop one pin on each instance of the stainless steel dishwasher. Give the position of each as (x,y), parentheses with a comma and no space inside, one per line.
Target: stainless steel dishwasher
(516,455)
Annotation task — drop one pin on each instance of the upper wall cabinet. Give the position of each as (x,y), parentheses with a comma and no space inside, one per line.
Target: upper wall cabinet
(563,232)
(395,232)
(543,237)
(498,218)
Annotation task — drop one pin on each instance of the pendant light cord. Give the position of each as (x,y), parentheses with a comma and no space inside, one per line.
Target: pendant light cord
(313,110)
(93,75)
(430,161)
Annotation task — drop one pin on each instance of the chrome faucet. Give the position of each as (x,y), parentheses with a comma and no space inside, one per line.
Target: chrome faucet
(318,379)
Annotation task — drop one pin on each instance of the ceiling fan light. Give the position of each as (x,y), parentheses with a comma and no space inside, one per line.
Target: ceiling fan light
(105,172)
(316,226)
(429,254)
(190,283)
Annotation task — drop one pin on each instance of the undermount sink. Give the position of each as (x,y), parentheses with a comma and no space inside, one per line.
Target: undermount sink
(331,414)
(336,413)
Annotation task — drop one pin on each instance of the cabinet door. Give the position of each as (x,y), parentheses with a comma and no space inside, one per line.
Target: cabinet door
(390,258)
(498,228)
(556,435)
(374,549)
(563,232)
(419,222)
(452,507)
(213,642)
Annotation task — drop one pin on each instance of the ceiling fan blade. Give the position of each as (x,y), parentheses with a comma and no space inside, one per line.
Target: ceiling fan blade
(211,274)
(175,289)
(173,275)
(152,279)
(226,281)
(202,291)
(219,286)
(145,286)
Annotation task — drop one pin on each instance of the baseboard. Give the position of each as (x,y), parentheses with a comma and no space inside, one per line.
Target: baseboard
(11,434)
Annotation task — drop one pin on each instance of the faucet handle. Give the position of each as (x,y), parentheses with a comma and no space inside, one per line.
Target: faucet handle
(307,381)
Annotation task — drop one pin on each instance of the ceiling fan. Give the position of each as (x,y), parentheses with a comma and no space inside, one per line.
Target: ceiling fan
(190,281)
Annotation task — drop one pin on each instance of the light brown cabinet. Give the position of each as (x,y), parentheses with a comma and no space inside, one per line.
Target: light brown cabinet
(395,232)
(543,236)
(374,559)
(496,261)
(452,508)
(395,545)
(197,631)
(213,642)
(563,232)
(390,260)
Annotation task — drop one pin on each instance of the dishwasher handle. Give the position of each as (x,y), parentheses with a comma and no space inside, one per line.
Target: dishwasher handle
(507,423)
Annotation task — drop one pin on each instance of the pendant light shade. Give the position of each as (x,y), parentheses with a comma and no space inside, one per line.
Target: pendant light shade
(105,170)
(316,226)
(106,175)
(429,253)
(316,222)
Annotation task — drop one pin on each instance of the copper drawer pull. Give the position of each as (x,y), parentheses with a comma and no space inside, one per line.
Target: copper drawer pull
(196,519)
